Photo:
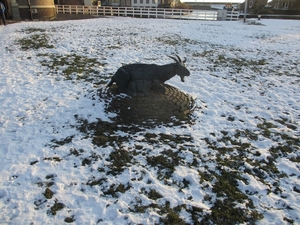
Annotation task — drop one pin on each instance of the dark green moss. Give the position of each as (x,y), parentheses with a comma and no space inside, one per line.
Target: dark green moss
(69,219)
(119,160)
(35,41)
(48,193)
(225,212)
(114,190)
(56,207)
(153,194)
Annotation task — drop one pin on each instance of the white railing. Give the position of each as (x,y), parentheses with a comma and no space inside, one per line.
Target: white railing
(121,11)
(140,12)
(202,15)
(233,16)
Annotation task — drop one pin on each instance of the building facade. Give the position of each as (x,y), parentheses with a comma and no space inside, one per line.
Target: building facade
(29,9)
(285,4)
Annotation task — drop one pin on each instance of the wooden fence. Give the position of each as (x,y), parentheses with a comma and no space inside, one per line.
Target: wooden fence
(165,13)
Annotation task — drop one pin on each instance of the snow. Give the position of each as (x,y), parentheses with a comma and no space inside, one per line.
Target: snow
(257,82)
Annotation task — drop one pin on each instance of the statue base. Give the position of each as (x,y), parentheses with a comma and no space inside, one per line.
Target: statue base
(166,105)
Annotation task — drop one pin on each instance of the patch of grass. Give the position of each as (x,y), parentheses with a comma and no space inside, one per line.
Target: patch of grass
(56,207)
(295,159)
(34,41)
(33,162)
(74,67)
(168,215)
(114,190)
(165,162)
(138,208)
(287,123)
(46,183)
(153,194)
(62,142)
(205,176)
(69,219)
(226,186)
(229,196)
(96,182)
(119,161)
(172,218)
(37,39)
(219,61)
(265,127)
(54,159)
(225,212)
(48,193)
(229,204)
(30,30)
(76,152)
(237,64)
(92,158)
(281,150)
(174,139)
(247,134)
(171,215)
(225,209)
(103,132)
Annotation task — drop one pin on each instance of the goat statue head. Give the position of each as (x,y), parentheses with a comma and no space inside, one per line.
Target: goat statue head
(180,68)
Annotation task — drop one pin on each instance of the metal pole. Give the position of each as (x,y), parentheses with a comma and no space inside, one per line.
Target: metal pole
(30,9)
(245,11)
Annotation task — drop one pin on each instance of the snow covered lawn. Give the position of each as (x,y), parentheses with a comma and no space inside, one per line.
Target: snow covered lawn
(235,161)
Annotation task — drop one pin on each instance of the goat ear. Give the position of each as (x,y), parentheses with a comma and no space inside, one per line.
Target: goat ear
(184,60)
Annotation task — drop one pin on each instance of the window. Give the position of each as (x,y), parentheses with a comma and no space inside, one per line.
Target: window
(250,4)
(141,1)
(147,1)
(286,5)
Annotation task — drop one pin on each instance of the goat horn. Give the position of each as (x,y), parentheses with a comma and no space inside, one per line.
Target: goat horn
(179,59)
(174,59)
(184,60)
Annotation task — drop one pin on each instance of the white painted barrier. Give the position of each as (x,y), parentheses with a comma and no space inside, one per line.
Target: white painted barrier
(165,13)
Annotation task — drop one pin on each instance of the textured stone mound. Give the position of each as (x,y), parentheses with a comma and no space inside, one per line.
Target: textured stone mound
(162,105)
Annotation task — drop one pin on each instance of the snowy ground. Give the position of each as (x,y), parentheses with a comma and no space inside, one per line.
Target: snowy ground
(63,160)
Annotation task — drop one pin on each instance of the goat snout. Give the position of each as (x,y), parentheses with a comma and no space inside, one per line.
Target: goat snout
(187,73)
(182,78)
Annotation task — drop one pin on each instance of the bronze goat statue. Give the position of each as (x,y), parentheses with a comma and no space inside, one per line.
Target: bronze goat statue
(136,79)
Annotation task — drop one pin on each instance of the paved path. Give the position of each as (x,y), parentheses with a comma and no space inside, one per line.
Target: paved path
(75,17)
(59,17)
